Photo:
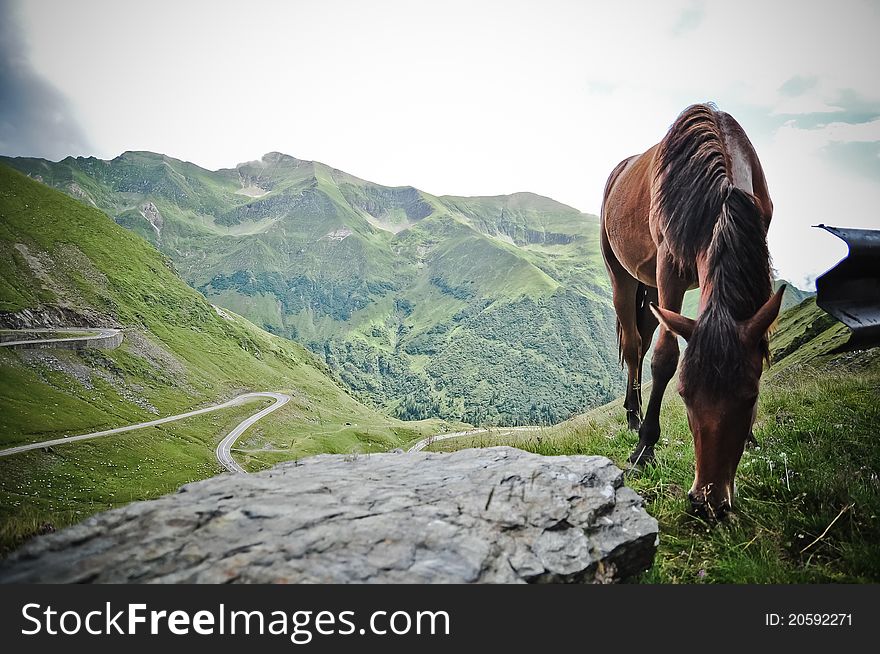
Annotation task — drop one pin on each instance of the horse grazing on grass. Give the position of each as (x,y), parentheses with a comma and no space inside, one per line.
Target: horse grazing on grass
(693,211)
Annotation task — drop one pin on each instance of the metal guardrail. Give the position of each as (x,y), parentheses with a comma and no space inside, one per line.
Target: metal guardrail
(850,291)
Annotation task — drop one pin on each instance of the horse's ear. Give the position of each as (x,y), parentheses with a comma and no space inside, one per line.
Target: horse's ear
(756,326)
(674,322)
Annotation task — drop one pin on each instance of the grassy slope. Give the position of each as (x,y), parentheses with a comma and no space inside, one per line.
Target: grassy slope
(178,354)
(406,291)
(818,459)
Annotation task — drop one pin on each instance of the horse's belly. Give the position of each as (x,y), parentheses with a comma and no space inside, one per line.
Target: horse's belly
(643,268)
(631,241)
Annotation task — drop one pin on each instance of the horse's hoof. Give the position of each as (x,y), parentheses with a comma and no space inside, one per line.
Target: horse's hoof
(643,455)
(633,421)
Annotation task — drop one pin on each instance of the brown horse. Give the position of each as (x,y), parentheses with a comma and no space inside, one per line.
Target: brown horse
(691,211)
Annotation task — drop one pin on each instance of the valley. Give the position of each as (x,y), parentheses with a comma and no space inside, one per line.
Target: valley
(64,263)
(486,310)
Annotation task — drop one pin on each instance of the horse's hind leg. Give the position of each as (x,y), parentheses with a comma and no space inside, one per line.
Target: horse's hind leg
(625,298)
(626,291)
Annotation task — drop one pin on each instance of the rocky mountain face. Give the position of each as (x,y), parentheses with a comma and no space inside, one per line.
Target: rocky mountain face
(492,310)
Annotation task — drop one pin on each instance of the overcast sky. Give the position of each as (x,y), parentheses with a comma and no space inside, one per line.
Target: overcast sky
(465,98)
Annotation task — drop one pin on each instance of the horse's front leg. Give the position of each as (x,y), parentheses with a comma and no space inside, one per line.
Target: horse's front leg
(663,365)
(671,289)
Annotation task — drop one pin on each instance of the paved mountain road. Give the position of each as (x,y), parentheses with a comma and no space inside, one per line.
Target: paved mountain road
(436,438)
(103,337)
(100,336)
(224,456)
(223,451)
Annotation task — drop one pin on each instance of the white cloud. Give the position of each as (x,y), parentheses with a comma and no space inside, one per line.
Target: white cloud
(808,190)
(468,97)
(804,104)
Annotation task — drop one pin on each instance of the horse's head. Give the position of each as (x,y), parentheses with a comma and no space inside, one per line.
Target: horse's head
(720,393)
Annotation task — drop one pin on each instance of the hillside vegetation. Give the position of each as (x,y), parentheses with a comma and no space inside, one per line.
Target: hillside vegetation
(808,495)
(792,296)
(63,263)
(490,310)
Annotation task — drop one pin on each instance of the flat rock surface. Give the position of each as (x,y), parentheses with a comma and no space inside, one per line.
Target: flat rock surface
(495,515)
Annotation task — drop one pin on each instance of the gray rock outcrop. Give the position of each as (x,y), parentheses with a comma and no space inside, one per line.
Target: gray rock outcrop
(496,515)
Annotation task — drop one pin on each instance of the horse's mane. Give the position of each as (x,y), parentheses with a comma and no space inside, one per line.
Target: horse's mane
(690,172)
(701,211)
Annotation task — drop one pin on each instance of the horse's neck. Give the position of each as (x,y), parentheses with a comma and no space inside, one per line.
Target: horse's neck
(741,157)
(744,168)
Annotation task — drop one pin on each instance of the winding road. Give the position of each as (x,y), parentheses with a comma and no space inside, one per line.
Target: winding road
(224,448)
(224,456)
(95,336)
(223,452)
(436,438)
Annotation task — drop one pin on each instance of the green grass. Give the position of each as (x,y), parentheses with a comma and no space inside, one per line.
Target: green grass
(178,354)
(71,482)
(52,489)
(817,463)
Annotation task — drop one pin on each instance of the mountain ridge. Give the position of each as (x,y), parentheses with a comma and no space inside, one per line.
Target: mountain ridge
(387,284)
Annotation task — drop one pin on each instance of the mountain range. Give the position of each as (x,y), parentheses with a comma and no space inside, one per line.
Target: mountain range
(489,310)
(63,263)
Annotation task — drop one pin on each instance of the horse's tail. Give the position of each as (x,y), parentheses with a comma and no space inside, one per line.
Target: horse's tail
(619,344)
